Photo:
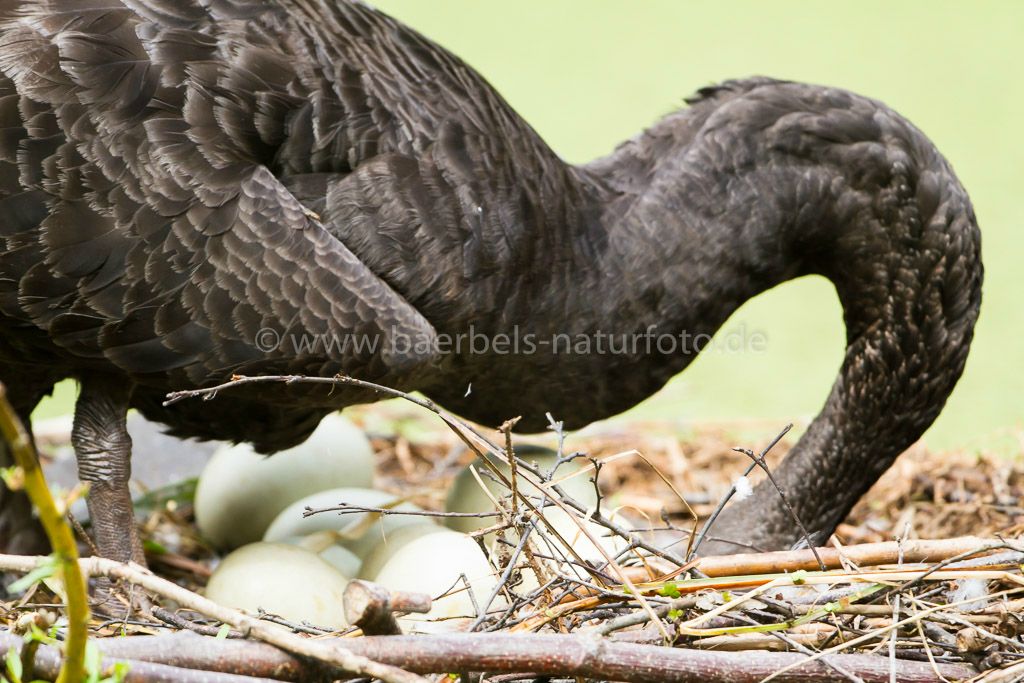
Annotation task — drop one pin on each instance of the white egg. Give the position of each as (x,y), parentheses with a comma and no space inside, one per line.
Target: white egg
(434,564)
(281,579)
(241,492)
(568,528)
(466,495)
(390,542)
(325,544)
(359,532)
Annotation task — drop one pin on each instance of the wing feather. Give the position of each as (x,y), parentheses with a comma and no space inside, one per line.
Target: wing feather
(182,245)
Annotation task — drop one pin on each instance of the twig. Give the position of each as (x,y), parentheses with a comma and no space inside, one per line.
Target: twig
(877,633)
(178,621)
(48,660)
(346,509)
(864,555)
(62,539)
(728,495)
(371,607)
(549,655)
(524,537)
(332,653)
(760,462)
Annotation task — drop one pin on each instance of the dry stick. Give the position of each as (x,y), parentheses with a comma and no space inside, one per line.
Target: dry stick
(728,495)
(1011,674)
(793,641)
(62,539)
(995,545)
(346,509)
(47,662)
(763,582)
(867,554)
(928,651)
(557,502)
(546,655)
(335,654)
(461,429)
(371,607)
(506,429)
(524,536)
(180,622)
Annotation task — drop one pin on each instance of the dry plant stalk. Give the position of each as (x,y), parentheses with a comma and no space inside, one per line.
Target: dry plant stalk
(62,539)
(867,554)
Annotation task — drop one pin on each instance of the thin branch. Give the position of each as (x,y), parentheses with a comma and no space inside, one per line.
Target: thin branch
(728,495)
(467,434)
(760,462)
(545,655)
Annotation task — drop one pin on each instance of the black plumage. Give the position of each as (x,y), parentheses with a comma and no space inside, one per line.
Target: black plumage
(184,183)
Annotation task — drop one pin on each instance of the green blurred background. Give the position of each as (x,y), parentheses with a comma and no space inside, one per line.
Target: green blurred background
(587,74)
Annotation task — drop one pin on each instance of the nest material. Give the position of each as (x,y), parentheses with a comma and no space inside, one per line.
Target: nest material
(917,611)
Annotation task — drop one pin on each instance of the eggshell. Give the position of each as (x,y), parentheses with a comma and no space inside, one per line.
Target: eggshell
(433,564)
(240,492)
(465,495)
(393,541)
(359,532)
(326,546)
(281,579)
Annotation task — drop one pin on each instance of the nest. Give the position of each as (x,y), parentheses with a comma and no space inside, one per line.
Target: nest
(921,583)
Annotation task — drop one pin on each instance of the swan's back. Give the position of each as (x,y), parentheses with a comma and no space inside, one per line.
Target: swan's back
(176,178)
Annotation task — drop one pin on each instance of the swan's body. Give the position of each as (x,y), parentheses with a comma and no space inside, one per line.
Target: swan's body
(179,177)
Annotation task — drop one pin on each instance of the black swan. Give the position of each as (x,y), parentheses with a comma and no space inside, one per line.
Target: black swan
(195,188)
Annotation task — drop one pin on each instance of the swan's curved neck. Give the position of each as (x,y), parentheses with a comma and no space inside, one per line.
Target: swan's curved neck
(757,183)
(757,186)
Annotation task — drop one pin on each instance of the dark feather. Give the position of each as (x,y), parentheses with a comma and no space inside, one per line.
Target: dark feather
(180,179)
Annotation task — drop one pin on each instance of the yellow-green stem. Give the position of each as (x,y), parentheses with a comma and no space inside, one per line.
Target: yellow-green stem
(61,539)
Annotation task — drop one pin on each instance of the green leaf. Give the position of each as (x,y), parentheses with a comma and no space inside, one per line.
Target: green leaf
(92,663)
(675,614)
(36,634)
(118,674)
(13,664)
(153,548)
(44,571)
(669,590)
(180,492)
(799,577)
(222,632)
(13,477)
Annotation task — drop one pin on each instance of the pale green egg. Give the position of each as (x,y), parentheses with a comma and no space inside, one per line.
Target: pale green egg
(241,492)
(391,542)
(325,544)
(281,579)
(435,564)
(358,532)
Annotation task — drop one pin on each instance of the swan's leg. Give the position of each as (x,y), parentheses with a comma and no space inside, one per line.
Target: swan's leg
(103,448)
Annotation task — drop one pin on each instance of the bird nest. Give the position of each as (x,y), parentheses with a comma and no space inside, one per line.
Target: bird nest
(921,583)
